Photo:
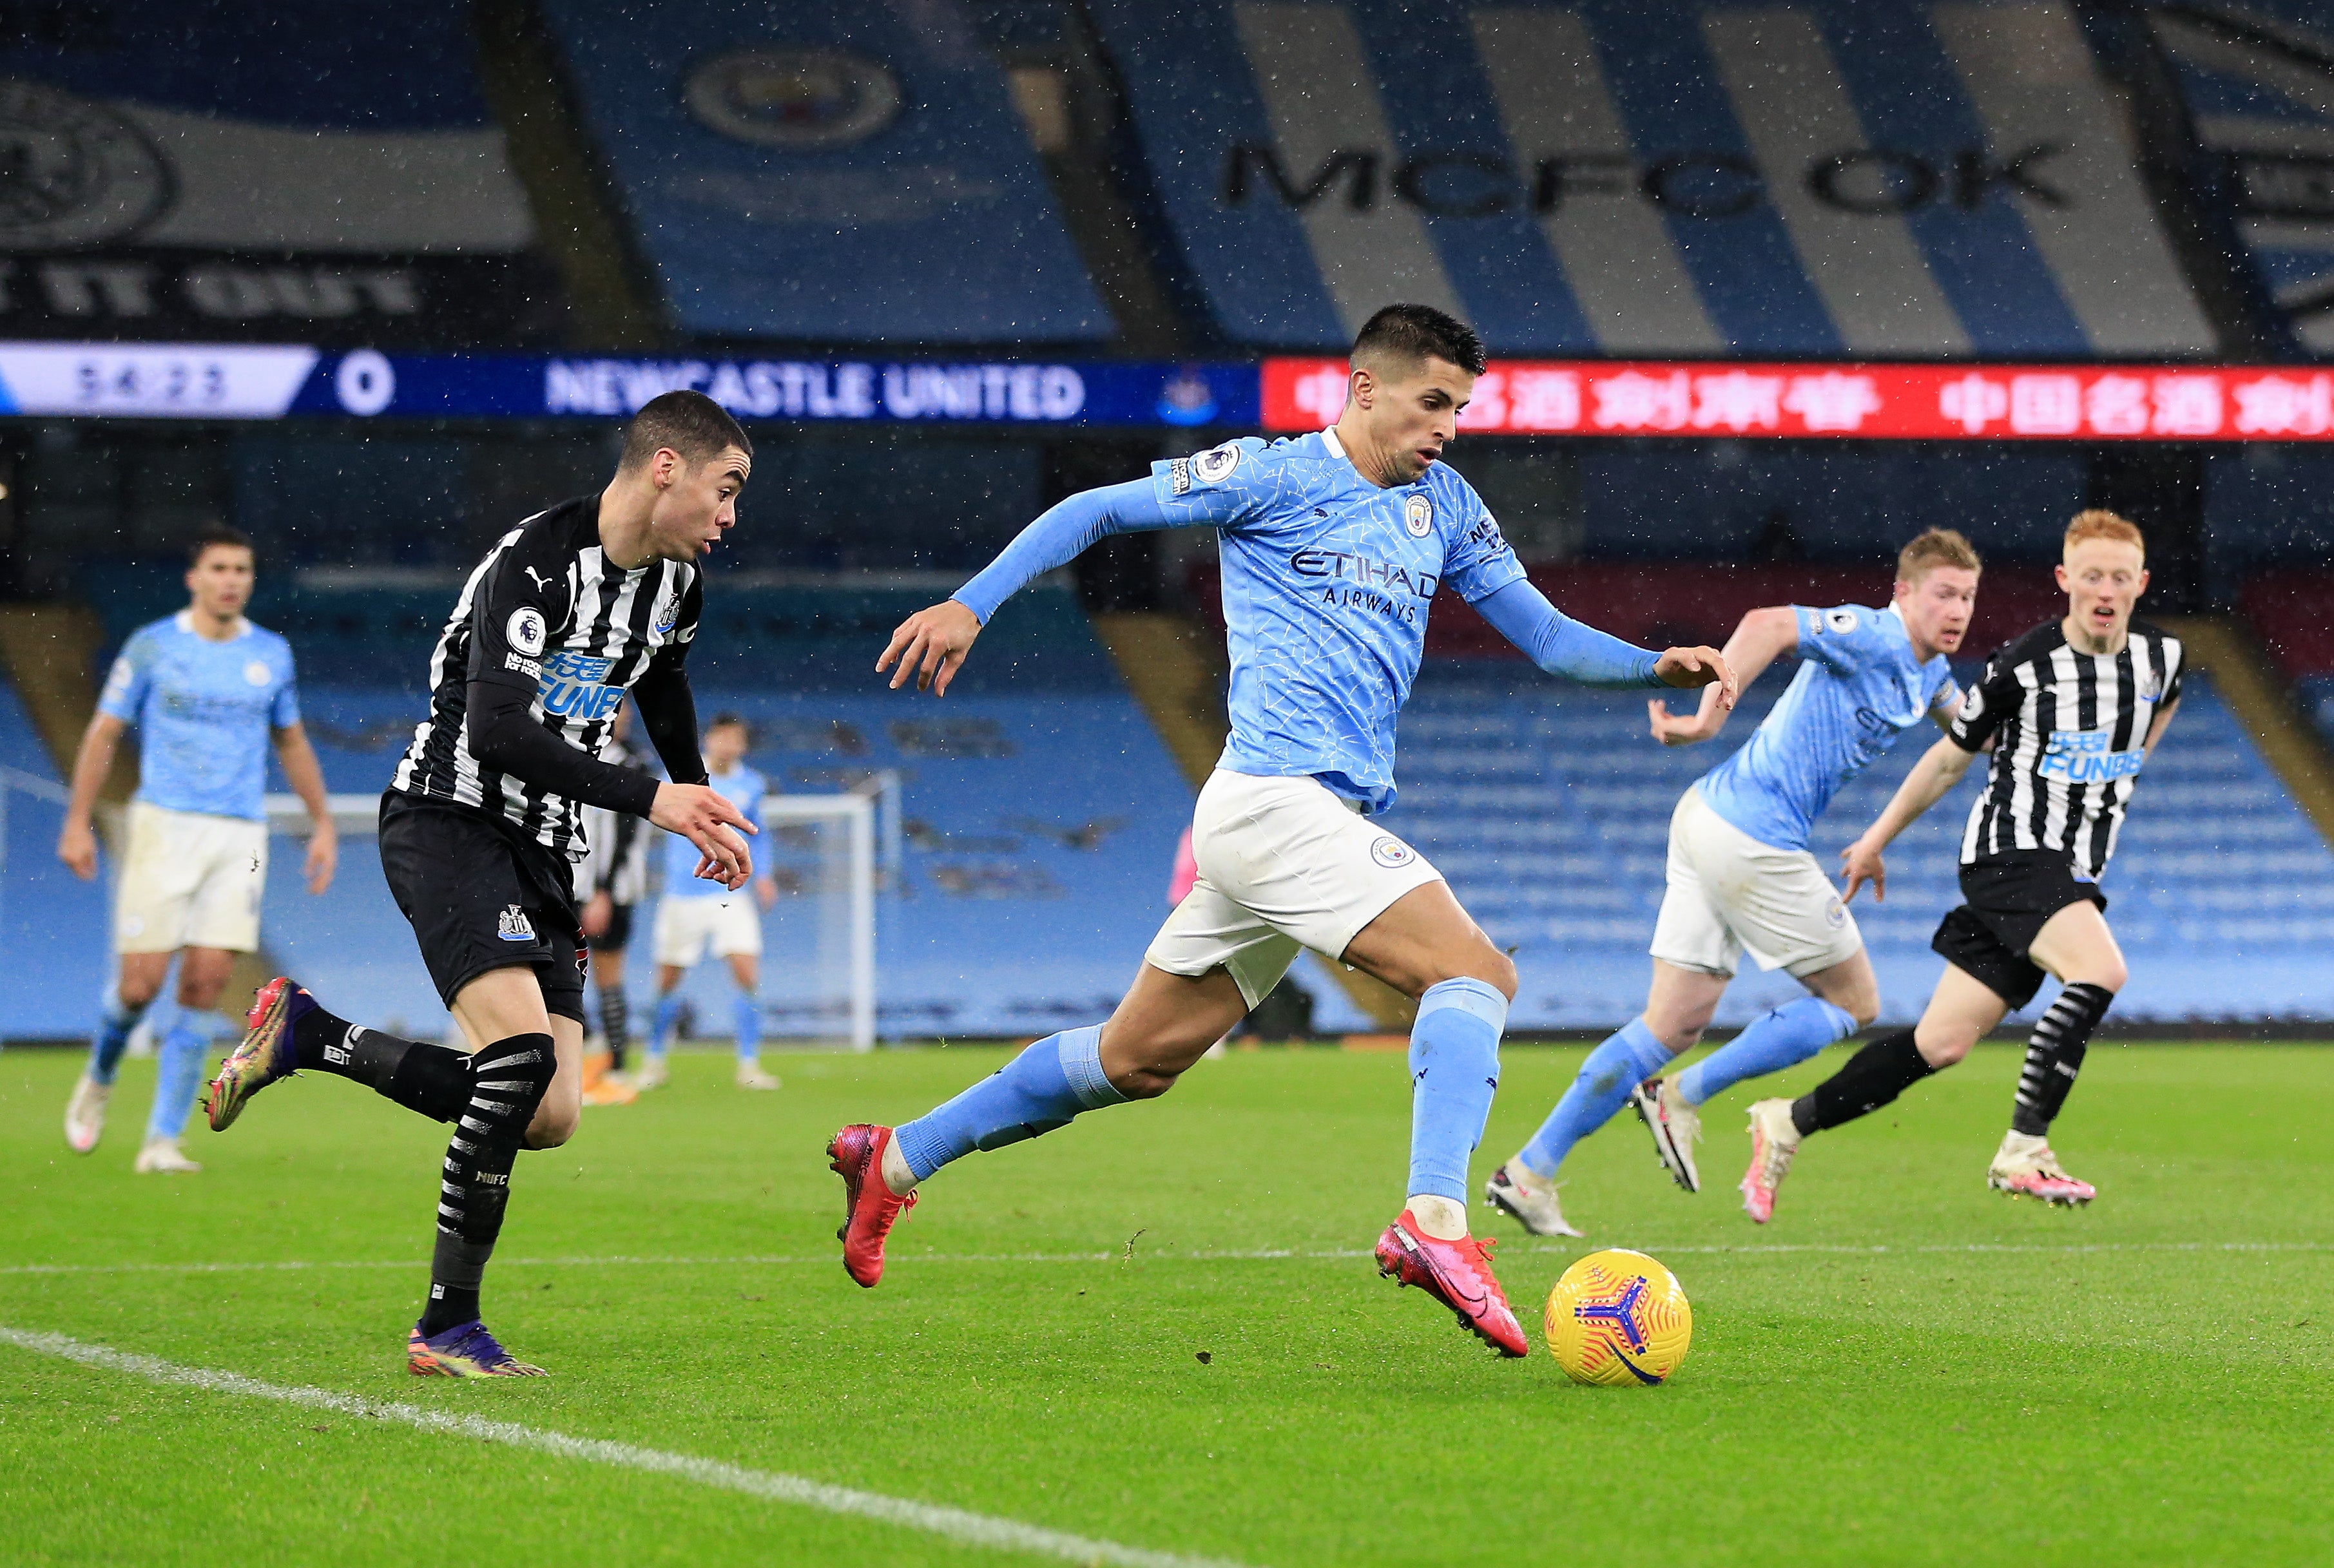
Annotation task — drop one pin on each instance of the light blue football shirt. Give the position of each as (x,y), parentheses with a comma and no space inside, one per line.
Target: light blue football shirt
(204,712)
(1858,687)
(1326,579)
(742,787)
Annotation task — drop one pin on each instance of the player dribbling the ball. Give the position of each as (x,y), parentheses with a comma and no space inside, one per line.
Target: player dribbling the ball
(1333,545)
(2072,711)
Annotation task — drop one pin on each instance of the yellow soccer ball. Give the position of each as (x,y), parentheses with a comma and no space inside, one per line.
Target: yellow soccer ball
(1619,1318)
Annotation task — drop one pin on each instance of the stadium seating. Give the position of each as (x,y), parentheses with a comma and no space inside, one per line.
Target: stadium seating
(1548,806)
(1041,810)
(2259,82)
(2293,612)
(388,213)
(53,923)
(829,172)
(1628,177)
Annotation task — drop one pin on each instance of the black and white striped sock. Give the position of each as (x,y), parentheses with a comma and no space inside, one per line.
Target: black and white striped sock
(507,1080)
(2054,1056)
(615,1024)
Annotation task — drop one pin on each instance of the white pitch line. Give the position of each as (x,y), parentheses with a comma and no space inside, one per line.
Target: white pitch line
(1164,1255)
(957,1524)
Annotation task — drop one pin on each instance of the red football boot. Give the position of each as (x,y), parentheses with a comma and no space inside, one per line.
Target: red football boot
(869,1207)
(1458,1273)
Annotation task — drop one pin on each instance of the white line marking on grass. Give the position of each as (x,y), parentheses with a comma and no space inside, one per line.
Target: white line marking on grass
(957,1524)
(1165,1255)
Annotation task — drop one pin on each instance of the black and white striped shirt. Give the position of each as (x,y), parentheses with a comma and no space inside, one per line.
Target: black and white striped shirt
(548,612)
(618,862)
(2069,730)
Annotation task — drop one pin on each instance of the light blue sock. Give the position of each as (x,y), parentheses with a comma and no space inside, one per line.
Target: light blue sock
(747,1011)
(1454,1070)
(1623,1061)
(111,1039)
(668,1018)
(178,1069)
(1782,1038)
(1036,1091)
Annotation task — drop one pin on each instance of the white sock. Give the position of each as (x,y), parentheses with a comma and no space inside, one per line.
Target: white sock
(1444,1218)
(896,1174)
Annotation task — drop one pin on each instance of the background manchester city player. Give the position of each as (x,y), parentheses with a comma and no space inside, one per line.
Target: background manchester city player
(208,692)
(1741,875)
(1333,545)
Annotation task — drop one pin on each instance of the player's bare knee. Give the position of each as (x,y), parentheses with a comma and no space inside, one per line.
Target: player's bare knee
(1943,1047)
(1143,1082)
(2109,975)
(552,1126)
(1503,976)
(199,993)
(1483,962)
(137,994)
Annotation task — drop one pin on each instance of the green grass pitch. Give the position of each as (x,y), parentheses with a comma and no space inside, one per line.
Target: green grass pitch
(1904,1368)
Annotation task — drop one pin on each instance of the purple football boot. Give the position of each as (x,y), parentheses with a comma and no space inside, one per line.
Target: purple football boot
(266,1055)
(464,1351)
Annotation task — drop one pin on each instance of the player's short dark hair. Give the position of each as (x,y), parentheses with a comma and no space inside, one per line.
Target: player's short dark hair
(1935,547)
(218,536)
(1412,334)
(688,423)
(719,719)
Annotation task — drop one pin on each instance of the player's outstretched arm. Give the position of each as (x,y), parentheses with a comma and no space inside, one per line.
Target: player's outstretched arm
(932,644)
(77,843)
(298,760)
(1563,646)
(1933,778)
(1760,638)
(706,818)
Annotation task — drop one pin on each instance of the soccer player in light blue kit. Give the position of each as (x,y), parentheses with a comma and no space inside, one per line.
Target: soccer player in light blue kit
(1741,878)
(1333,546)
(695,918)
(208,692)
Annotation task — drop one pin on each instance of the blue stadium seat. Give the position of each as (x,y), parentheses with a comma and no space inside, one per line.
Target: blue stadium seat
(827,172)
(309,172)
(1619,177)
(1548,807)
(2259,84)
(53,924)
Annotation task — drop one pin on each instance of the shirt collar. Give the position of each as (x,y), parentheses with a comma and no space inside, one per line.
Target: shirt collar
(185,622)
(1329,439)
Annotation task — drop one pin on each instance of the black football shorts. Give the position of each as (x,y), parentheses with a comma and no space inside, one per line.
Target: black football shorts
(2007,903)
(481,895)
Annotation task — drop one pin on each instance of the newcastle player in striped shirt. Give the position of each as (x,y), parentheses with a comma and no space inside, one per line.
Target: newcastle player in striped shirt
(569,612)
(2071,712)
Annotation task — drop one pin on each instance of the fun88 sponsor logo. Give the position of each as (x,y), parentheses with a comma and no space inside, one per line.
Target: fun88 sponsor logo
(571,686)
(2083,757)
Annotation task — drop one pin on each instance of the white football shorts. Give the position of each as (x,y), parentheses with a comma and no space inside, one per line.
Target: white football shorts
(190,880)
(724,925)
(1730,894)
(1284,863)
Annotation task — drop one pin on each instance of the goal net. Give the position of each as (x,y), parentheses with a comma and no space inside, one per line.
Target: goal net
(818,939)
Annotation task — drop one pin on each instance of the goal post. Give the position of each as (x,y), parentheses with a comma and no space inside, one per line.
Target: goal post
(818,966)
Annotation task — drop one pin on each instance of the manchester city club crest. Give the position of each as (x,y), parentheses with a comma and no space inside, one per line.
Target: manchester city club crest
(73,172)
(796,99)
(1418,517)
